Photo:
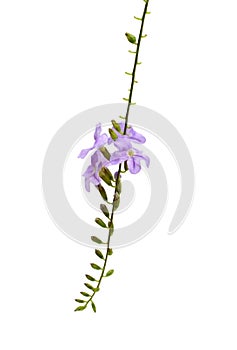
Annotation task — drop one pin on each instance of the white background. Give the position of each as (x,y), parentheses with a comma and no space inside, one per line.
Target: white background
(59,58)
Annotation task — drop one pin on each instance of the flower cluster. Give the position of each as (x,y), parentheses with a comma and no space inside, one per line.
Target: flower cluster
(124,152)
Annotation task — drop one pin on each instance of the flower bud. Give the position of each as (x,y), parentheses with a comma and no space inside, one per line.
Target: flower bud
(105,152)
(105,175)
(102,192)
(119,186)
(108,173)
(113,134)
(116,126)
(100,222)
(111,228)
(96,239)
(110,251)
(116,200)
(131,38)
(104,210)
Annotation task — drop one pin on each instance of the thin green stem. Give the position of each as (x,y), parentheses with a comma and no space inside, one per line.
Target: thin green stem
(135,67)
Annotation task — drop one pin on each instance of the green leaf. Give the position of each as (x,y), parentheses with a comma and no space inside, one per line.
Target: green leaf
(99,254)
(80,308)
(100,222)
(131,38)
(110,251)
(85,294)
(93,306)
(89,286)
(104,210)
(80,301)
(95,266)
(90,278)
(109,273)
(102,192)
(96,239)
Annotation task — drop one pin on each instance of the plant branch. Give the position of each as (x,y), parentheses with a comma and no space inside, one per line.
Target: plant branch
(120,166)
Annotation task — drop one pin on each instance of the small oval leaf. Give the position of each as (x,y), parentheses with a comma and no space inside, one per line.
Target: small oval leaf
(90,278)
(109,273)
(99,254)
(96,239)
(85,294)
(95,266)
(104,210)
(93,306)
(89,286)
(80,301)
(80,308)
(101,223)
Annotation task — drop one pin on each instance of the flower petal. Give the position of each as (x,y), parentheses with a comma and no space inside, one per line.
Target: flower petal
(118,157)
(134,165)
(89,171)
(136,136)
(84,153)
(101,141)
(123,143)
(94,158)
(144,157)
(97,131)
(95,179)
(87,184)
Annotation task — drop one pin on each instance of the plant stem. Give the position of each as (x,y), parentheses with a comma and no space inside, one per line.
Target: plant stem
(124,132)
(135,66)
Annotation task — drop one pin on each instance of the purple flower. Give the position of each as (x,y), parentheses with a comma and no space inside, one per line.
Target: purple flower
(123,143)
(133,157)
(100,141)
(131,134)
(92,172)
